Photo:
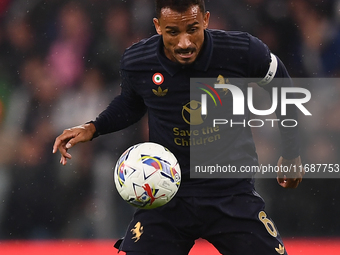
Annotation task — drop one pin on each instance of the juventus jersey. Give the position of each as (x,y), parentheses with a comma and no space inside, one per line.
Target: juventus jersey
(152,83)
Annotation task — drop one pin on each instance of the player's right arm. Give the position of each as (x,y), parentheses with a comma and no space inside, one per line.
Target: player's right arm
(71,137)
(123,111)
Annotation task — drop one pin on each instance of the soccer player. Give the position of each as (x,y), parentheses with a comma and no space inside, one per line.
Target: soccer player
(156,76)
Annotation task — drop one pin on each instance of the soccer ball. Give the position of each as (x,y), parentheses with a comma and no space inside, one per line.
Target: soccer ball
(147,175)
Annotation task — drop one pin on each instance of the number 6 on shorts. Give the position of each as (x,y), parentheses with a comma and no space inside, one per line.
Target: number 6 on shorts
(269,225)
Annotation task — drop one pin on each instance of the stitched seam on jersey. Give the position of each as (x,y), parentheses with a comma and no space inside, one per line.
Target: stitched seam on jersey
(140,47)
(231,41)
(138,54)
(138,59)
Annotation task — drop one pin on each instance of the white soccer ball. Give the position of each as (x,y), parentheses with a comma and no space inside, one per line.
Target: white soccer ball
(147,175)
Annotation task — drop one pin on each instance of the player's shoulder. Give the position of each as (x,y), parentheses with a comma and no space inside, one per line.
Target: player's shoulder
(142,54)
(235,40)
(245,52)
(235,36)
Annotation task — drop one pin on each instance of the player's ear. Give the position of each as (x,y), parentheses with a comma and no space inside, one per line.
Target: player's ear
(157,26)
(206,20)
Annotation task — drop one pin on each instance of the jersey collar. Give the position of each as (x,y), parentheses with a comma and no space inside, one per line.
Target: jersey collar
(201,63)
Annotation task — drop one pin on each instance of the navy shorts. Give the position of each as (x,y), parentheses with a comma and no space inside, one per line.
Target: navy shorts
(235,225)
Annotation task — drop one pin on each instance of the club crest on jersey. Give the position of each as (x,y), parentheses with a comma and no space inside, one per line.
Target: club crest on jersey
(158,78)
(221,80)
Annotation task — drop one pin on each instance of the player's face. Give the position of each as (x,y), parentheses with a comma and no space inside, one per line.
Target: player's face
(183,33)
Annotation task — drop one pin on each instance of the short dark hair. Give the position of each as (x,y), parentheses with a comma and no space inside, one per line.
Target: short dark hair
(178,5)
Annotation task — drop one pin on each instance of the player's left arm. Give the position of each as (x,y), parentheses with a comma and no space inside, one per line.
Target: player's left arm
(278,77)
(275,75)
(289,163)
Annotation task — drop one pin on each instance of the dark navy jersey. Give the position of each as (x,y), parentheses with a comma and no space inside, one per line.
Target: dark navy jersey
(154,84)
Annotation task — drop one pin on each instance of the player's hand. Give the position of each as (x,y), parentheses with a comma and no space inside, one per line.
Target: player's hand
(71,137)
(292,178)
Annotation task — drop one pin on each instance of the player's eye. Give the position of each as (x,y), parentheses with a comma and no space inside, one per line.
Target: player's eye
(193,30)
(172,32)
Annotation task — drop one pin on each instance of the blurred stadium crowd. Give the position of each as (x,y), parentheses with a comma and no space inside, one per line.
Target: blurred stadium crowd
(59,67)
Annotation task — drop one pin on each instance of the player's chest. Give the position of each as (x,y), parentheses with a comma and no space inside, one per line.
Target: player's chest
(159,87)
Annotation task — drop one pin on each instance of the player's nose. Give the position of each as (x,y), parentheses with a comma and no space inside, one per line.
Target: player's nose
(184,41)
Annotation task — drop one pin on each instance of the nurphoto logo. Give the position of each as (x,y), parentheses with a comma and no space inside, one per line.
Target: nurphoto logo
(240,101)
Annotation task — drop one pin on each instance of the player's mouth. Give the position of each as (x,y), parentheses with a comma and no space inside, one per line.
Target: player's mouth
(186,54)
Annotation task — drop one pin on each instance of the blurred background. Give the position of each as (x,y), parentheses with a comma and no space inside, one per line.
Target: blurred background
(59,67)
